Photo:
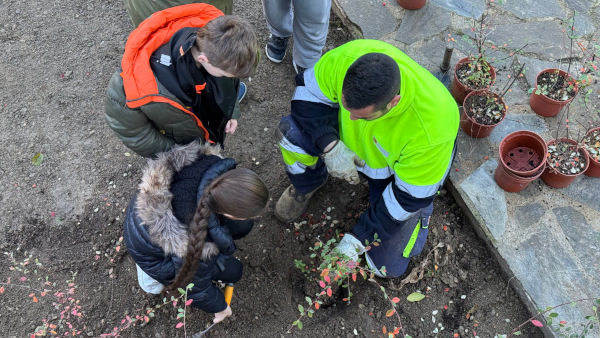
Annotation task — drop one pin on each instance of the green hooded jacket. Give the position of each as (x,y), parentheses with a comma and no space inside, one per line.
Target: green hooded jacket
(139,10)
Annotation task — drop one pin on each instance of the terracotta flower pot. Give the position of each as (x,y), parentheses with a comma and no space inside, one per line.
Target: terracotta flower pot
(556,179)
(594,168)
(469,125)
(459,91)
(412,4)
(542,104)
(511,182)
(523,153)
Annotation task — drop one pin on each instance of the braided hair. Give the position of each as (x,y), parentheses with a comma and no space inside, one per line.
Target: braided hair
(239,193)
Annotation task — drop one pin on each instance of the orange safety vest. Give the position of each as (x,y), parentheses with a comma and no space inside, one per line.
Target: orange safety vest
(139,81)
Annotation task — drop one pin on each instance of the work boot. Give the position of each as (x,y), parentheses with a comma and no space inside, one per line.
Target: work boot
(275,48)
(292,204)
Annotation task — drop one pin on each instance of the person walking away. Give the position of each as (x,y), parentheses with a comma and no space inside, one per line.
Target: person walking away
(306,20)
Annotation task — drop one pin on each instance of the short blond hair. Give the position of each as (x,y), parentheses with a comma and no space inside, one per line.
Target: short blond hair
(230,43)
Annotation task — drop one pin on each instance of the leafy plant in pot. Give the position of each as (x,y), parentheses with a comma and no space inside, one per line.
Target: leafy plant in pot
(565,160)
(471,73)
(483,110)
(591,144)
(555,88)
(475,72)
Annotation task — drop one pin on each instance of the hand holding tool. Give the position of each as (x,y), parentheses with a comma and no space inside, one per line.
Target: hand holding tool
(228,295)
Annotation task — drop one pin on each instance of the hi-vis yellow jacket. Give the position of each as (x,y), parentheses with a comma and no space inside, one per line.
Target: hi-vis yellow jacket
(413,142)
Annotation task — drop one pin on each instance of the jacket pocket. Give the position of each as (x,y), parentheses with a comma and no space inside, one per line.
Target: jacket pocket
(418,237)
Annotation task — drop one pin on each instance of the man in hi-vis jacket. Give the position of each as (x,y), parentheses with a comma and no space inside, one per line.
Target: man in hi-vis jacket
(367,108)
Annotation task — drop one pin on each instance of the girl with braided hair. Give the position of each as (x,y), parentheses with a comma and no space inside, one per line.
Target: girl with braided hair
(181,225)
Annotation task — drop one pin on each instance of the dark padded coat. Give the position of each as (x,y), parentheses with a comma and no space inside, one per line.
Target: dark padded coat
(155,227)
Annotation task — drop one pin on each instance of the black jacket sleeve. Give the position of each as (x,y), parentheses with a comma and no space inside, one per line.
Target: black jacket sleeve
(205,294)
(220,236)
(318,121)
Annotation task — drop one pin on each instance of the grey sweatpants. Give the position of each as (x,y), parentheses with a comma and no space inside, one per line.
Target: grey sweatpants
(306,20)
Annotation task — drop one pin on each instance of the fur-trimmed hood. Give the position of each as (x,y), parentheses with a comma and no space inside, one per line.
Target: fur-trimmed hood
(153,204)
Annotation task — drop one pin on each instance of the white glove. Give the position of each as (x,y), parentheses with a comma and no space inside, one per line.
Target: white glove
(341,162)
(350,246)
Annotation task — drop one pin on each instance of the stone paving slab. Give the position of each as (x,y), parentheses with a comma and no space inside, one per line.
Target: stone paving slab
(490,202)
(374,20)
(581,192)
(514,122)
(547,240)
(530,9)
(581,6)
(471,9)
(422,24)
(545,268)
(584,25)
(544,38)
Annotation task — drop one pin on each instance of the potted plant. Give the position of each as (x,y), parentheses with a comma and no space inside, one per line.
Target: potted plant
(483,110)
(564,162)
(471,73)
(475,72)
(591,144)
(555,88)
(412,4)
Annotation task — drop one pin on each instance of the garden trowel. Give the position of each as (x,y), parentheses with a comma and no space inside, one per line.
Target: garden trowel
(443,74)
(228,295)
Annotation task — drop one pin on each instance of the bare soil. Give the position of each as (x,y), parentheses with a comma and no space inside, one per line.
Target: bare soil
(66,210)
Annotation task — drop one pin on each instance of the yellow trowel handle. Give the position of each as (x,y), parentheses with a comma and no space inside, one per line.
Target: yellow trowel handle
(228,293)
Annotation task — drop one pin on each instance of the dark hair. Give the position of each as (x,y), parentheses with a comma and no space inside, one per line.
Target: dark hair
(373,79)
(229,43)
(239,193)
